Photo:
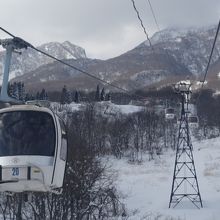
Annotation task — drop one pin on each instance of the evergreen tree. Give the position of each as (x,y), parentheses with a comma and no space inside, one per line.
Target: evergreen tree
(108,97)
(10,89)
(37,96)
(43,95)
(97,94)
(46,96)
(15,93)
(65,96)
(21,91)
(17,90)
(76,97)
(102,96)
(27,97)
(69,97)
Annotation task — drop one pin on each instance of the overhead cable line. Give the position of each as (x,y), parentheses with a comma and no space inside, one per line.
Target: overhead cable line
(154,15)
(71,66)
(210,57)
(209,61)
(7,32)
(157,24)
(141,22)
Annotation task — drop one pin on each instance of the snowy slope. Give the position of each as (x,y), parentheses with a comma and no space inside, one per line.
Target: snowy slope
(105,108)
(146,187)
(110,109)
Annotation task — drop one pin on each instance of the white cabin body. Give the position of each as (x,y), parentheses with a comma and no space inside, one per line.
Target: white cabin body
(193,121)
(33,149)
(170,113)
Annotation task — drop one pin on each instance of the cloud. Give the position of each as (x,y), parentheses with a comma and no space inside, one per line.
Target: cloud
(104,28)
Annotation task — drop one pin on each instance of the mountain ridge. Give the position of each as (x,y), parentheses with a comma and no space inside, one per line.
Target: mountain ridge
(176,54)
(31,60)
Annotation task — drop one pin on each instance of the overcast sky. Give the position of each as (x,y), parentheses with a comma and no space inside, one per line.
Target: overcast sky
(104,28)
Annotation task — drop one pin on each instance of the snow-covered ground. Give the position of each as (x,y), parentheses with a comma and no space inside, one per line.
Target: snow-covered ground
(105,108)
(145,188)
(125,109)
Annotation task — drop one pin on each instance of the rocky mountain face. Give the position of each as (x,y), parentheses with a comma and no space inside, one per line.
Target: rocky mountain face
(190,47)
(30,60)
(176,54)
(130,71)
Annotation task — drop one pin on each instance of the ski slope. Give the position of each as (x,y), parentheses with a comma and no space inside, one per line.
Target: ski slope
(145,188)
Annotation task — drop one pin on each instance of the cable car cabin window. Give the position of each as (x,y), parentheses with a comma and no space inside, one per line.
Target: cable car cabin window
(170,111)
(193,119)
(27,133)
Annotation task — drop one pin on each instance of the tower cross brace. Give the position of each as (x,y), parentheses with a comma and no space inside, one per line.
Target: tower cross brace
(185,182)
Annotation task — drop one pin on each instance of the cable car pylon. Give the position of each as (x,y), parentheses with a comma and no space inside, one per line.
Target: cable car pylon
(185,183)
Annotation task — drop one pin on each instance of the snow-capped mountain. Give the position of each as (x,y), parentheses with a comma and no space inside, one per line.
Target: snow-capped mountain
(31,60)
(176,53)
(190,47)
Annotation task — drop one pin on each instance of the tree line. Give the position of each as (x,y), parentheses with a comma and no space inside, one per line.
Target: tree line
(65,96)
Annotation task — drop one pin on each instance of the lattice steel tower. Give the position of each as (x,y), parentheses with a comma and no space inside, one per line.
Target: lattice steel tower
(185,183)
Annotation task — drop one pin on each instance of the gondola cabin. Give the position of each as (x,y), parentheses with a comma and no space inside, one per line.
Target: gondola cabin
(169,113)
(193,121)
(183,86)
(33,149)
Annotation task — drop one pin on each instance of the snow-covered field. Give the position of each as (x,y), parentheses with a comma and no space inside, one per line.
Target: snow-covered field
(106,108)
(145,188)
